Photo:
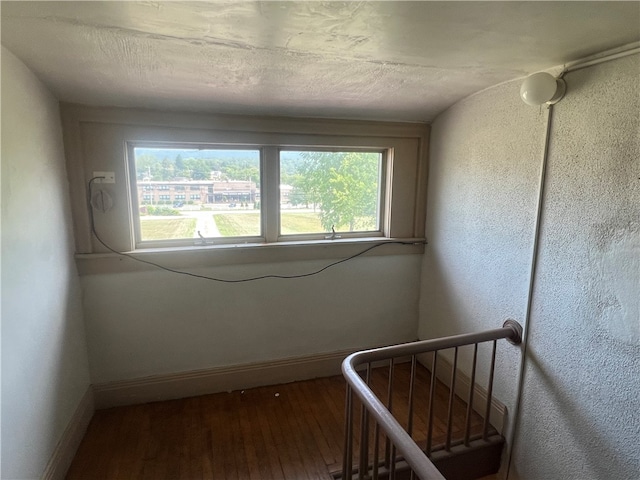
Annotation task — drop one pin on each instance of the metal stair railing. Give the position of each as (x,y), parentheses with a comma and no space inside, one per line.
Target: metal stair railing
(399,444)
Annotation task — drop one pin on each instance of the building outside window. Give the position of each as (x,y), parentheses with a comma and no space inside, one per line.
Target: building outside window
(320,192)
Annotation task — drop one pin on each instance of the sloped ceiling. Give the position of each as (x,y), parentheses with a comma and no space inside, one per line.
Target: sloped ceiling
(369,60)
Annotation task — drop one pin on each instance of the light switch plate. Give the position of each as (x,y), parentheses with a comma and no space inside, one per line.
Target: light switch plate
(109,177)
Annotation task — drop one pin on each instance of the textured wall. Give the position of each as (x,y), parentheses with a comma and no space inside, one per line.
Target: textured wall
(44,360)
(484,172)
(581,394)
(582,381)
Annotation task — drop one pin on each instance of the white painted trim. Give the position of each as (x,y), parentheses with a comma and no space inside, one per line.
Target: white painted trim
(219,379)
(95,140)
(498,412)
(66,448)
(236,254)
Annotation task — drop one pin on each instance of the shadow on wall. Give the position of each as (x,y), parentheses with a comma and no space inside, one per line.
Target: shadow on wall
(437,303)
(465,292)
(450,306)
(595,447)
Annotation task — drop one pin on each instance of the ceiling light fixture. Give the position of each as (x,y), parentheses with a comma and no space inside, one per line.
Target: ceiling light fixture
(542,88)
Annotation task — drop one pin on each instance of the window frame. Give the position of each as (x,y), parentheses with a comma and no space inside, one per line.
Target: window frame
(383,201)
(95,140)
(134,201)
(270,211)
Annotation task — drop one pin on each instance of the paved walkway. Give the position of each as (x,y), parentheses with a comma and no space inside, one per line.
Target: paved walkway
(205,224)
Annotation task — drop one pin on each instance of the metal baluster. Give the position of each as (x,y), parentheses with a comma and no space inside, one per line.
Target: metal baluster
(392,472)
(410,413)
(487,414)
(447,445)
(347,467)
(376,447)
(387,443)
(411,388)
(363,470)
(432,392)
(467,428)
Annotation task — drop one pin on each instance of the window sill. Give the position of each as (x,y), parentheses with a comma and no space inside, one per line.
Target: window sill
(242,254)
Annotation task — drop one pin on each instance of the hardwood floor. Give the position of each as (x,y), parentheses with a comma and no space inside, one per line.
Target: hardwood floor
(292,431)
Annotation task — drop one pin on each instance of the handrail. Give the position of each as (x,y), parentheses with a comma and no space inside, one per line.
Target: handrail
(419,462)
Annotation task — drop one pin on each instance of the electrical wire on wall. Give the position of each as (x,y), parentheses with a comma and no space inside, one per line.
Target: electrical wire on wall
(532,277)
(90,206)
(611,55)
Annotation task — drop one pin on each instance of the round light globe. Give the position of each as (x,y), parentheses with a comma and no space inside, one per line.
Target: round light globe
(539,88)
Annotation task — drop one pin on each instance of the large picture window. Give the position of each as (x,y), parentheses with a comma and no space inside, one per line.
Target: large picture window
(194,190)
(322,194)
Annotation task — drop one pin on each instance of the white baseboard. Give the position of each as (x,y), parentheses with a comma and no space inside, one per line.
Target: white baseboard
(498,411)
(220,379)
(66,448)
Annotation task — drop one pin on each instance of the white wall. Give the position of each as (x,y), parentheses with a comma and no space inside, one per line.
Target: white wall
(583,365)
(484,168)
(44,360)
(155,322)
(581,392)
(152,322)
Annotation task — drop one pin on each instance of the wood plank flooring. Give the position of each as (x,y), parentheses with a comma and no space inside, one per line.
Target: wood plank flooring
(292,431)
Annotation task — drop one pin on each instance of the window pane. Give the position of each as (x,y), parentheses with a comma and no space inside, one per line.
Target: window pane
(185,191)
(324,190)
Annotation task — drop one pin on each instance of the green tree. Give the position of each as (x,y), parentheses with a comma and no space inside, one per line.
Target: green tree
(345,185)
(167,169)
(198,168)
(242,172)
(180,166)
(145,164)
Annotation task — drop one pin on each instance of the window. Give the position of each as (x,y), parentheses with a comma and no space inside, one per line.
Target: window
(229,210)
(323,194)
(279,204)
(330,191)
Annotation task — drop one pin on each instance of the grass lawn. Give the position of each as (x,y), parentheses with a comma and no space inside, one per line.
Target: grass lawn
(229,225)
(244,224)
(238,225)
(293,223)
(167,228)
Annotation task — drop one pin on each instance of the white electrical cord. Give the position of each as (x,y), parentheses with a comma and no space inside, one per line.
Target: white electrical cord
(532,278)
(613,55)
(624,51)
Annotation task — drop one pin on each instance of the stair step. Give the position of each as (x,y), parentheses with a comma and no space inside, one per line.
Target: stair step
(479,459)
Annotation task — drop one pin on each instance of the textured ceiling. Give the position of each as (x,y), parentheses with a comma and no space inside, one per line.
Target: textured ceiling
(369,60)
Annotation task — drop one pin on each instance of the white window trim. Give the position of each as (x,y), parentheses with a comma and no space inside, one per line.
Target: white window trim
(137,241)
(96,140)
(270,181)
